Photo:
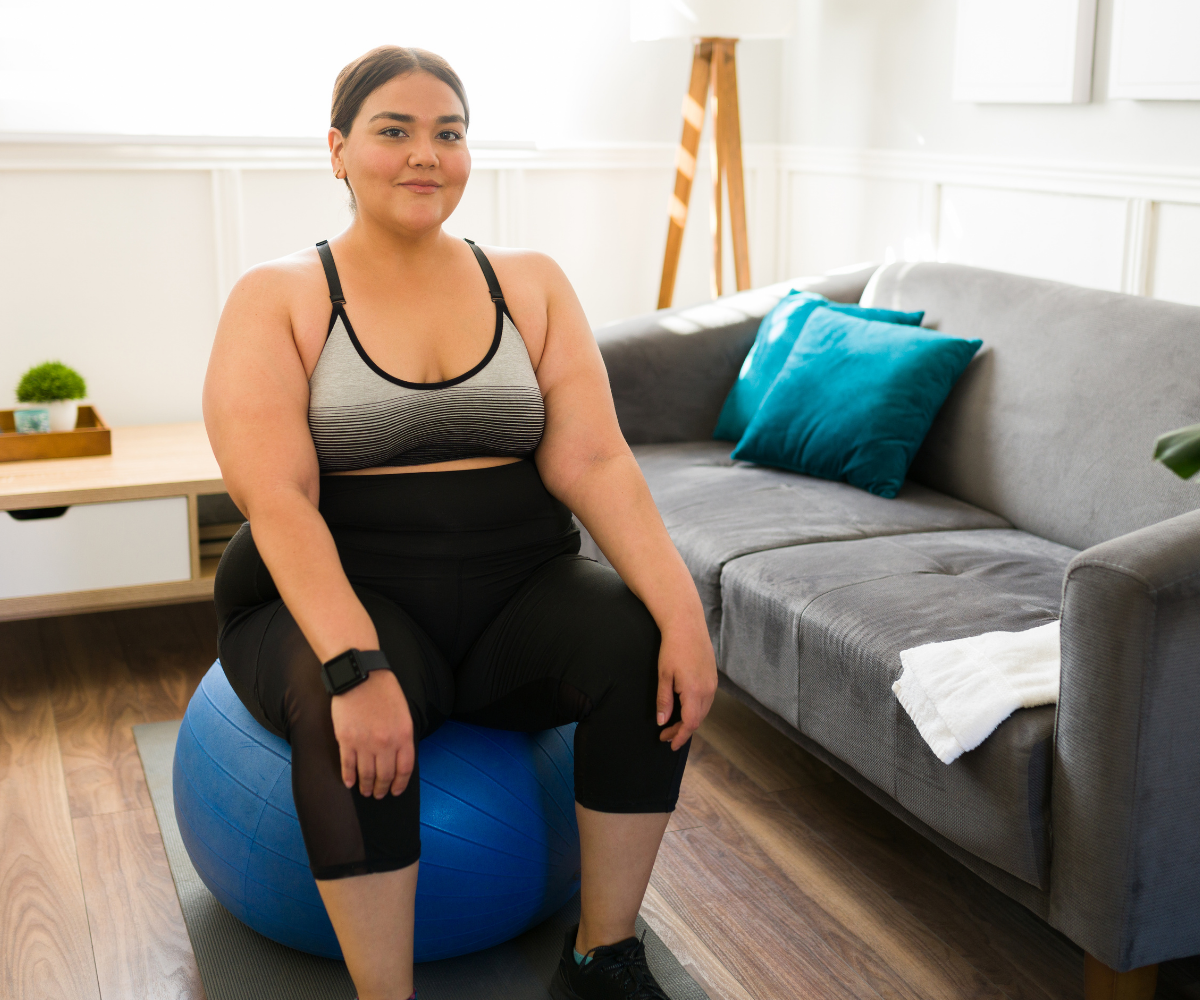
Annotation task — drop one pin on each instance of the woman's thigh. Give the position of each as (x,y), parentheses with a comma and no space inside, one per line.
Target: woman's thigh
(575,644)
(276,675)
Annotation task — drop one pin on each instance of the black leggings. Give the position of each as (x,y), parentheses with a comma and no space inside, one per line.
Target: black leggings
(488,614)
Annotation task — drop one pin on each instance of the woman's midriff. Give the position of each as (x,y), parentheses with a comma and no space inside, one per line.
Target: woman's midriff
(483,462)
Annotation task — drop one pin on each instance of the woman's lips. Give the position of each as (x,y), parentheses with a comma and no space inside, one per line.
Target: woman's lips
(421,187)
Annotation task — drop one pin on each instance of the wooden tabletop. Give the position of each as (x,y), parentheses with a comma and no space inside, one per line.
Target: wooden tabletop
(154,461)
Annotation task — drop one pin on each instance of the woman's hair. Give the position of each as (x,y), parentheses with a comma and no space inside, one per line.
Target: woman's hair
(359,79)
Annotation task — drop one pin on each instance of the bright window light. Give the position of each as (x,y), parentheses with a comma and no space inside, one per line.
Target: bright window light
(260,69)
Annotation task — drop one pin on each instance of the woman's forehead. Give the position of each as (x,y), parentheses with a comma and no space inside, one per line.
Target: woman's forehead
(416,93)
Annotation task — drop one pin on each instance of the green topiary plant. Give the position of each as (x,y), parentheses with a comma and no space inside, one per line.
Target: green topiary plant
(1179,451)
(50,382)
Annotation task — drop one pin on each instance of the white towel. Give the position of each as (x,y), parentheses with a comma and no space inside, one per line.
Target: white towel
(957,692)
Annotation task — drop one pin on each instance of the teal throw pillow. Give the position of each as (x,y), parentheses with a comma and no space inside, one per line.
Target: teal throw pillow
(772,344)
(854,400)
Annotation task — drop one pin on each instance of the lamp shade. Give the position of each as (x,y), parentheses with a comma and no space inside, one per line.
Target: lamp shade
(651,20)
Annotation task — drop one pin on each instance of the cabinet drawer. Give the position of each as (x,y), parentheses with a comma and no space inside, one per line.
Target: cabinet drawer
(95,546)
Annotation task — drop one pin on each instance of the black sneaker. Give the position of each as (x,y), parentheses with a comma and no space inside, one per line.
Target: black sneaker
(616,972)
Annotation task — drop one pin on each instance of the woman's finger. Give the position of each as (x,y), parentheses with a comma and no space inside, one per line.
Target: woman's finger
(366,774)
(385,772)
(349,766)
(665,702)
(406,759)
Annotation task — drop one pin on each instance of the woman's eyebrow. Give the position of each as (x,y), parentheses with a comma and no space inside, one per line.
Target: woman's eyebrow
(395,116)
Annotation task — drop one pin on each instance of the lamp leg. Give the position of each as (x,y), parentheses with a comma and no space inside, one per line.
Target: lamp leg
(728,135)
(717,214)
(685,167)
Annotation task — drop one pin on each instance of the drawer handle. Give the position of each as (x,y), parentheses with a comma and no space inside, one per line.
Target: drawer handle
(36,513)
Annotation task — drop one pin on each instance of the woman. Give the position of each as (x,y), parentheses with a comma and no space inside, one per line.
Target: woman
(413,555)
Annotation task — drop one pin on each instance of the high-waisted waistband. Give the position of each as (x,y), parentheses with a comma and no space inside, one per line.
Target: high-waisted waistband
(457,514)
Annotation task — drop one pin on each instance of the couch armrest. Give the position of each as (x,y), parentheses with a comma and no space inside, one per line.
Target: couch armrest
(1125,793)
(671,370)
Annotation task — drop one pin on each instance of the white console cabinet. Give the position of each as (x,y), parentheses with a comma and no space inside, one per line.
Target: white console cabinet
(128,536)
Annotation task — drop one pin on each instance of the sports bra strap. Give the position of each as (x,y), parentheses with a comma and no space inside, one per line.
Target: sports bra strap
(486,266)
(331,275)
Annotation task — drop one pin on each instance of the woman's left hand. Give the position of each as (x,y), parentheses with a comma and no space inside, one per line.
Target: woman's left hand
(686,667)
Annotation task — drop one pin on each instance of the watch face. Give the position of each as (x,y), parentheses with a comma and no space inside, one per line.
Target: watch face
(342,671)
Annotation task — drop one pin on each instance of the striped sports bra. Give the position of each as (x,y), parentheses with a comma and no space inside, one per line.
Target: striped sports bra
(362,417)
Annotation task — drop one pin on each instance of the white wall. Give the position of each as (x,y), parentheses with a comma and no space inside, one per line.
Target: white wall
(882,164)
(118,253)
(118,256)
(548,71)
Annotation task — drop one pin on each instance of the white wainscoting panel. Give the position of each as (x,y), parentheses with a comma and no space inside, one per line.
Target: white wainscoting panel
(1062,237)
(834,220)
(287,210)
(1177,254)
(119,252)
(112,272)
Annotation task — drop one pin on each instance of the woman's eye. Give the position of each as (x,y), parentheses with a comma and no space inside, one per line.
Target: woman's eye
(449,136)
(392,133)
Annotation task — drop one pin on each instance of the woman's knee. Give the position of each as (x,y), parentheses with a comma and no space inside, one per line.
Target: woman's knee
(425,678)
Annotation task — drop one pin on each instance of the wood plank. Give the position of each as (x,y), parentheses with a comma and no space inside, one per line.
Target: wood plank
(753,745)
(763,943)
(96,706)
(701,964)
(891,950)
(141,942)
(46,952)
(1016,950)
(203,618)
(167,654)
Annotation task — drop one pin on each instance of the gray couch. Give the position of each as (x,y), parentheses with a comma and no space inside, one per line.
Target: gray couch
(1033,497)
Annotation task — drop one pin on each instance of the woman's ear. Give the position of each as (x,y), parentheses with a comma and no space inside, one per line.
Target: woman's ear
(336,144)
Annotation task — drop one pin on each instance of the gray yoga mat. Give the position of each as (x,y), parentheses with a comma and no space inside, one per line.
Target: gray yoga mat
(237,963)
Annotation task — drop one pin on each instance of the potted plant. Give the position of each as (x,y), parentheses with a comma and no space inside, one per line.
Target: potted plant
(1179,451)
(57,388)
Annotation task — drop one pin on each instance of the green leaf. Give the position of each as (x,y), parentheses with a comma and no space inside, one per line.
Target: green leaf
(1179,451)
(50,381)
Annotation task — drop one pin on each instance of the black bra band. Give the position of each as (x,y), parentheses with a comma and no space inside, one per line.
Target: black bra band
(331,275)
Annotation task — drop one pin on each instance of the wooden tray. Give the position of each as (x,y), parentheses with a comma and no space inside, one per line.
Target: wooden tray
(91,436)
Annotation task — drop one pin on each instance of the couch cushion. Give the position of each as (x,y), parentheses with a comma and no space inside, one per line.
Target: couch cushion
(1054,422)
(814,632)
(717,509)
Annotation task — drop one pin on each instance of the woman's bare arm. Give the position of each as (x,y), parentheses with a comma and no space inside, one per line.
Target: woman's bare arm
(584,461)
(256,412)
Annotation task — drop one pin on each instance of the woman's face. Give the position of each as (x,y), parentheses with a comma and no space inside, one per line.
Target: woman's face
(406,155)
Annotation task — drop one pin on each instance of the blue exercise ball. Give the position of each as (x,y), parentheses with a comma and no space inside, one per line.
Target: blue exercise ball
(500,847)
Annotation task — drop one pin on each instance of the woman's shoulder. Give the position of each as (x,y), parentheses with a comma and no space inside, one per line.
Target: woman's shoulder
(522,265)
(298,273)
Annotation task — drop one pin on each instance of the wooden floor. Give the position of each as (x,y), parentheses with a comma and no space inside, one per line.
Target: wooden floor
(777,878)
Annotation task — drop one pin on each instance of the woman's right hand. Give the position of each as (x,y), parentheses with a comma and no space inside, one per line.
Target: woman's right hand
(375,735)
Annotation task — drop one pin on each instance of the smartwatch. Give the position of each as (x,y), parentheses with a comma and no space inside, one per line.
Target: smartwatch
(351,668)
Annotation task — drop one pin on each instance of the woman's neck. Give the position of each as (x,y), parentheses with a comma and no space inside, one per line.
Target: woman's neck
(376,247)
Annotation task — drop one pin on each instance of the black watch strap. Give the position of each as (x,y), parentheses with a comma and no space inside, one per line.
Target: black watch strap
(351,668)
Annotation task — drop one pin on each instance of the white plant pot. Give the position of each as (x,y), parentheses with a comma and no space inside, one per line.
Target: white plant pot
(63,414)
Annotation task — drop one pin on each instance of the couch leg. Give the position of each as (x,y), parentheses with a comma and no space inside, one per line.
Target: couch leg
(1102,983)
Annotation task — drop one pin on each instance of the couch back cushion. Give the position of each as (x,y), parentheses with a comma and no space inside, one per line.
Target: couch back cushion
(1053,424)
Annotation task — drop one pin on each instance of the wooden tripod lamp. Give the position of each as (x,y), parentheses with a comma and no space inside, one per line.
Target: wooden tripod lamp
(715,26)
